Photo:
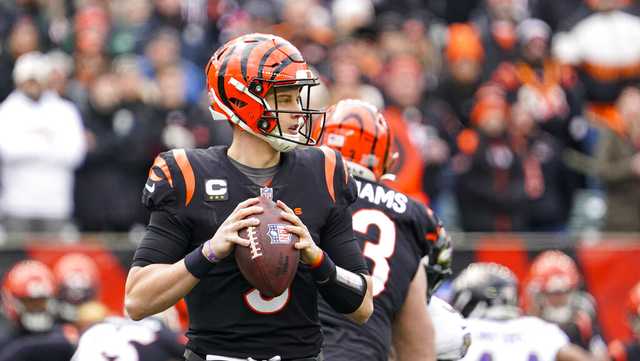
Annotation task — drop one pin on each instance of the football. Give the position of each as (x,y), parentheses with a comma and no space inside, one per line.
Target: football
(270,261)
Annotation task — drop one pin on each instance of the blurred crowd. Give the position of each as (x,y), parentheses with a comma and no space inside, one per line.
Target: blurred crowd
(504,112)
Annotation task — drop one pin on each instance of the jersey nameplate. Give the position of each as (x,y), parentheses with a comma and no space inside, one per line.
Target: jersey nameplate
(378,195)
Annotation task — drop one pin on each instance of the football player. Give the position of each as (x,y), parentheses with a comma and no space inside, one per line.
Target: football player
(630,351)
(27,300)
(452,338)
(78,281)
(199,200)
(487,295)
(27,297)
(394,232)
(553,295)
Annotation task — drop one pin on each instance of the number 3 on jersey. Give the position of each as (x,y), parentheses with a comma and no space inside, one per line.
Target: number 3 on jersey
(378,250)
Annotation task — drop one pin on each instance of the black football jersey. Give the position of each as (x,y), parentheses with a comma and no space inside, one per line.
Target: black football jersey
(55,345)
(394,233)
(196,190)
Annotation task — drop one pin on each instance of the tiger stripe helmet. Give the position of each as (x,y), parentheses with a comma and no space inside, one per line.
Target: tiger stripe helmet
(360,132)
(554,271)
(241,73)
(27,291)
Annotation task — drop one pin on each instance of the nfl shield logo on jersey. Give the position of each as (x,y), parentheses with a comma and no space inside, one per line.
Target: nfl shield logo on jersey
(278,234)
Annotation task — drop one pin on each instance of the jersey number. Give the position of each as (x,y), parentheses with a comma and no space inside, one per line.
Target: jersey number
(266,306)
(380,250)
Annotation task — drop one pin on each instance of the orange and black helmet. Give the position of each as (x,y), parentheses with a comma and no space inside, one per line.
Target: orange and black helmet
(553,271)
(27,291)
(360,132)
(241,73)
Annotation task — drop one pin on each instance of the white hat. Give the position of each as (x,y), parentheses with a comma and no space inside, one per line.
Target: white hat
(31,66)
(533,28)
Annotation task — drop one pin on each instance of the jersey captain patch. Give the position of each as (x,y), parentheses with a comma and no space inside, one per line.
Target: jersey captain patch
(216,190)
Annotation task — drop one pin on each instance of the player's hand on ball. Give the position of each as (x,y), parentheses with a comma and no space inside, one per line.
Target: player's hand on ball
(309,251)
(222,243)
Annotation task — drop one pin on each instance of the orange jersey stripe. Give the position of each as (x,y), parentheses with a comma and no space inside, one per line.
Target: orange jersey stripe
(329,169)
(187,173)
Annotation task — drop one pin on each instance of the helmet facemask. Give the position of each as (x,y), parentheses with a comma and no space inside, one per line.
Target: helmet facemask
(272,126)
(34,314)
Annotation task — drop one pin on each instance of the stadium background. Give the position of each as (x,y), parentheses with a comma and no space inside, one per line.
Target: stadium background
(133,69)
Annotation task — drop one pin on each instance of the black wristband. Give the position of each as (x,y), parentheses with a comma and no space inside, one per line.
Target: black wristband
(324,271)
(197,264)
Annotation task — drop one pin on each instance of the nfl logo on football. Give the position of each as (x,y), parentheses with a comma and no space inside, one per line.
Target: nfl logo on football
(278,234)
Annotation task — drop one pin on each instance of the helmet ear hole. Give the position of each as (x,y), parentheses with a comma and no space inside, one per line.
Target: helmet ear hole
(263,124)
(256,87)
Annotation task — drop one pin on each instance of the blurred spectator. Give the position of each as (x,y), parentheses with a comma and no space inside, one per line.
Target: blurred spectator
(40,136)
(617,164)
(60,69)
(623,351)
(118,138)
(464,61)
(91,25)
(164,51)
(129,19)
(548,186)
(544,92)
(348,79)
(552,293)
(538,82)
(414,138)
(605,47)
(178,124)
(22,39)
(350,15)
(490,187)
(497,22)
(27,295)
(188,19)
